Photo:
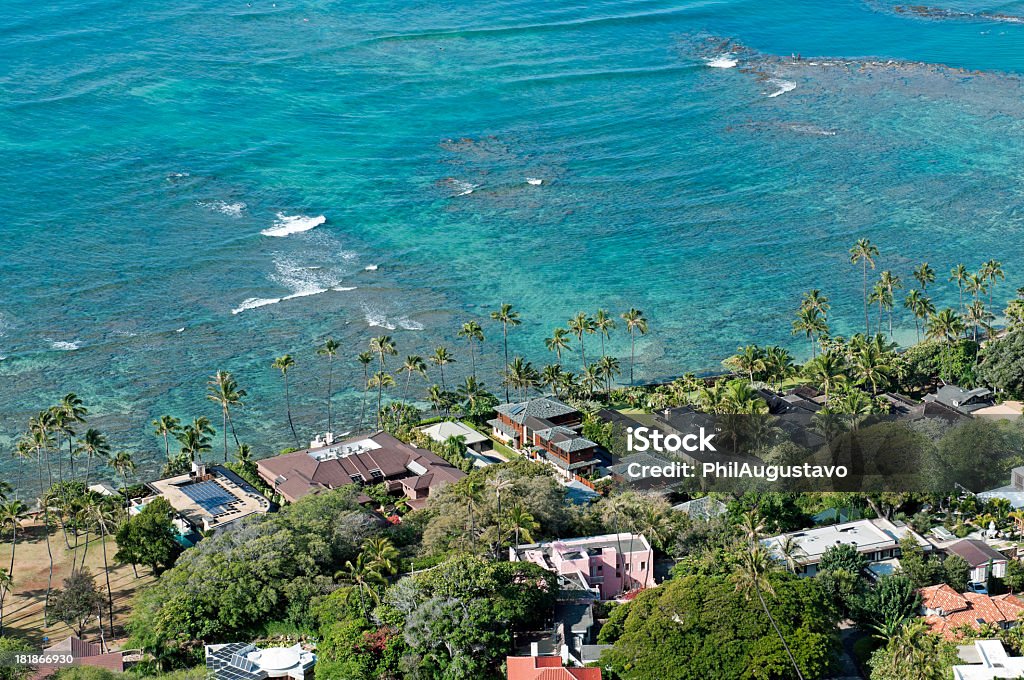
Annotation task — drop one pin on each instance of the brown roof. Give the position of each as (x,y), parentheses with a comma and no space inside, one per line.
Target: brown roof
(977,553)
(298,474)
(968,609)
(85,654)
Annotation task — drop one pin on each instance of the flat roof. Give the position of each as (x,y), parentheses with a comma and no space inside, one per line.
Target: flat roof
(219,498)
(866,535)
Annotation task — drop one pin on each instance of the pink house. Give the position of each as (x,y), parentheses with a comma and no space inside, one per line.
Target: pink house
(608,566)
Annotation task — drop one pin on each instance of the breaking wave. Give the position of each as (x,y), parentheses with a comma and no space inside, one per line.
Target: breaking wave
(287,225)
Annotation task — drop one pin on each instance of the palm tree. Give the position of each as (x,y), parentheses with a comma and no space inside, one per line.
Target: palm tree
(521,375)
(864,252)
(960,274)
(811,323)
(520,522)
(74,411)
(978,317)
(499,484)
(991,271)
(749,360)
(441,358)
(890,284)
(920,306)
(244,454)
(470,392)
(924,275)
(105,519)
(166,427)
(558,342)
(581,325)
(551,376)
(438,398)
(751,576)
(603,324)
(365,359)
(591,379)
(93,443)
(872,367)
(39,440)
(778,364)
(815,299)
(413,364)
(284,364)
(124,465)
(473,334)
(635,322)
(827,371)
(609,368)
(5,584)
(222,389)
(195,438)
(364,577)
(976,285)
(381,554)
(507,317)
(791,552)
(380,380)
(946,326)
(12,514)
(330,350)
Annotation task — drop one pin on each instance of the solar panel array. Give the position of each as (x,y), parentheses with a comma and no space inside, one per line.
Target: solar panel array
(210,496)
(229,663)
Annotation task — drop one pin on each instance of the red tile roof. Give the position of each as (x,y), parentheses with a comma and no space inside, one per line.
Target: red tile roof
(547,668)
(968,609)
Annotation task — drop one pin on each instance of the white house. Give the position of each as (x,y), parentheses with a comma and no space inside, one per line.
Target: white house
(984,560)
(988,661)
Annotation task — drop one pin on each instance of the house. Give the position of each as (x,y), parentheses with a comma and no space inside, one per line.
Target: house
(705,508)
(440,432)
(548,430)
(609,565)
(945,610)
(959,399)
(876,539)
(242,661)
(987,660)
(378,459)
(207,498)
(984,560)
(84,654)
(546,668)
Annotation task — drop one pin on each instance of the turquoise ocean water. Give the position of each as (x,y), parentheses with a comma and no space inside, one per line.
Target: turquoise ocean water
(145,147)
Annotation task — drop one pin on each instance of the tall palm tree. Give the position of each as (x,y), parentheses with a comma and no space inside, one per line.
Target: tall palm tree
(74,412)
(603,324)
(815,299)
(920,306)
(364,577)
(811,323)
(864,252)
(470,393)
(520,522)
(506,316)
(438,398)
(558,342)
(473,334)
(441,358)
(827,370)
(609,368)
(924,275)
(551,376)
(749,360)
(413,364)
(105,519)
(945,326)
(380,380)
(977,317)
(992,271)
(222,389)
(591,379)
(581,325)
(93,443)
(960,274)
(791,551)
(872,367)
(6,581)
(195,438)
(40,440)
(284,364)
(778,364)
(499,484)
(976,285)
(12,514)
(890,284)
(751,576)
(521,375)
(329,349)
(244,454)
(635,323)
(364,359)
(166,427)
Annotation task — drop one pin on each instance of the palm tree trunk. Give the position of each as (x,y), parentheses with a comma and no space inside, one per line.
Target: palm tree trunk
(366,388)
(632,353)
(472,357)
(330,381)
(583,352)
(288,406)
(504,332)
(106,570)
(867,325)
(778,632)
(224,427)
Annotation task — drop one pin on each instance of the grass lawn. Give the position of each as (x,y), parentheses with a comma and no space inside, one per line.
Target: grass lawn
(23,608)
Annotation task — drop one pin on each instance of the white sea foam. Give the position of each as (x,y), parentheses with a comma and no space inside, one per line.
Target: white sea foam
(252,303)
(180,330)
(721,61)
(293,224)
(178,175)
(225,208)
(343,289)
(377,319)
(534,181)
(65,346)
(370,268)
(782,87)
(463,188)
(410,324)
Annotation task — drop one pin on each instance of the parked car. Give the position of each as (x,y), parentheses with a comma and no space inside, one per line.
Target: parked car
(977,588)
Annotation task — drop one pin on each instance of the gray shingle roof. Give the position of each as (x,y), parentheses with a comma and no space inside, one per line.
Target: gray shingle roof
(539,407)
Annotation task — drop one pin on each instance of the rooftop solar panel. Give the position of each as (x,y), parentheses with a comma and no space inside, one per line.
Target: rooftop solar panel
(210,496)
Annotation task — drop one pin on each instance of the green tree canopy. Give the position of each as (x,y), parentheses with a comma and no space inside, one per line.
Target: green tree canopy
(150,537)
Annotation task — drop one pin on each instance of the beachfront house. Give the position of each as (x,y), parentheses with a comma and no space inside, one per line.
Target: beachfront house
(878,540)
(946,611)
(548,430)
(206,499)
(983,559)
(608,566)
(378,459)
(243,661)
